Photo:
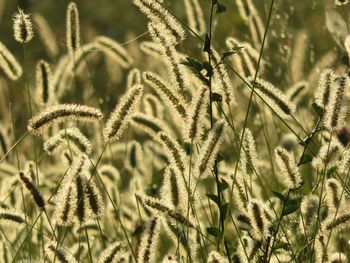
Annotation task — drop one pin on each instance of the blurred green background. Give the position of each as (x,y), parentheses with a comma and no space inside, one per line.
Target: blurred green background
(119,18)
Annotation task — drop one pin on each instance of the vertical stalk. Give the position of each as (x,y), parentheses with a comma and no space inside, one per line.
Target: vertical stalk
(216,171)
(88,243)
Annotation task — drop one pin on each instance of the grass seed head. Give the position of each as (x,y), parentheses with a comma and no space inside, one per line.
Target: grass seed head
(22,27)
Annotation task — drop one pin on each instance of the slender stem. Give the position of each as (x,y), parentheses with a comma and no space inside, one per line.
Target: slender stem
(189,192)
(88,243)
(278,225)
(216,172)
(14,146)
(101,233)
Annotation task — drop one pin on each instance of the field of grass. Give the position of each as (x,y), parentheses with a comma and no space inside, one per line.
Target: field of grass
(159,131)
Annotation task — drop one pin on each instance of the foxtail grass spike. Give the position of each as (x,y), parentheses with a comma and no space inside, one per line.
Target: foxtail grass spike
(195,16)
(22,27)
(121,115)
(62,113)
(11,217)
(241,194)
(259,222)
(173,151)
(54,252)
(4,141)
(30,186)
(297,92)
(134,78)
(71,139)
(195,116)
(336,109)
(81,207)
(309,208)
(245,8)
(111,253)
(328,155)
(341,221)
(209,151)
(173,99)
(149,242)
(157,13)
(223,78)
(93,198)
(325,85)
(134,156)
(289,169)
(321,251)
(9,64)
(249,157)
(44,82)
(164,210)
(334,192)
(173,190)
(109,171)
(273,96)
(153,106)
(171,57)
(66,203)
(73,28)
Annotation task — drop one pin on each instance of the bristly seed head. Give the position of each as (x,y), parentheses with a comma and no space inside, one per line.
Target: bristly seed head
(195,116)
(334,192)
(209,150)
(259,222)
(122,113)
(72,139)
(309,207)
(336,109)
(288,167)
(149,242)
(29,184)
(249,157)
(341,2)
(55,252)
(44,82)
(9,64)
(22,27)
(277,100)
(11,217)
(173,151)
(62,113)
(112,253)
(73,28)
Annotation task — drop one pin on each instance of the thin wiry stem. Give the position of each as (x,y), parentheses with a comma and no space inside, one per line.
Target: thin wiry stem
(88,242)
(216,171)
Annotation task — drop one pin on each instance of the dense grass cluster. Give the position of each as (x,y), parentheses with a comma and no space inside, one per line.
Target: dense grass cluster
(179,145)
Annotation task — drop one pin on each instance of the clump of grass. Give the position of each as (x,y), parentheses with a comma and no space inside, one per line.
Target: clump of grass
(220,145)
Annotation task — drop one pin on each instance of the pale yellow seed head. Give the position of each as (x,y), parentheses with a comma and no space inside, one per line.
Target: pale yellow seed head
(22,27)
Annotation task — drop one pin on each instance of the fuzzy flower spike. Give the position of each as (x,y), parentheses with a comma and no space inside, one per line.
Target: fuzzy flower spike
(22,27)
